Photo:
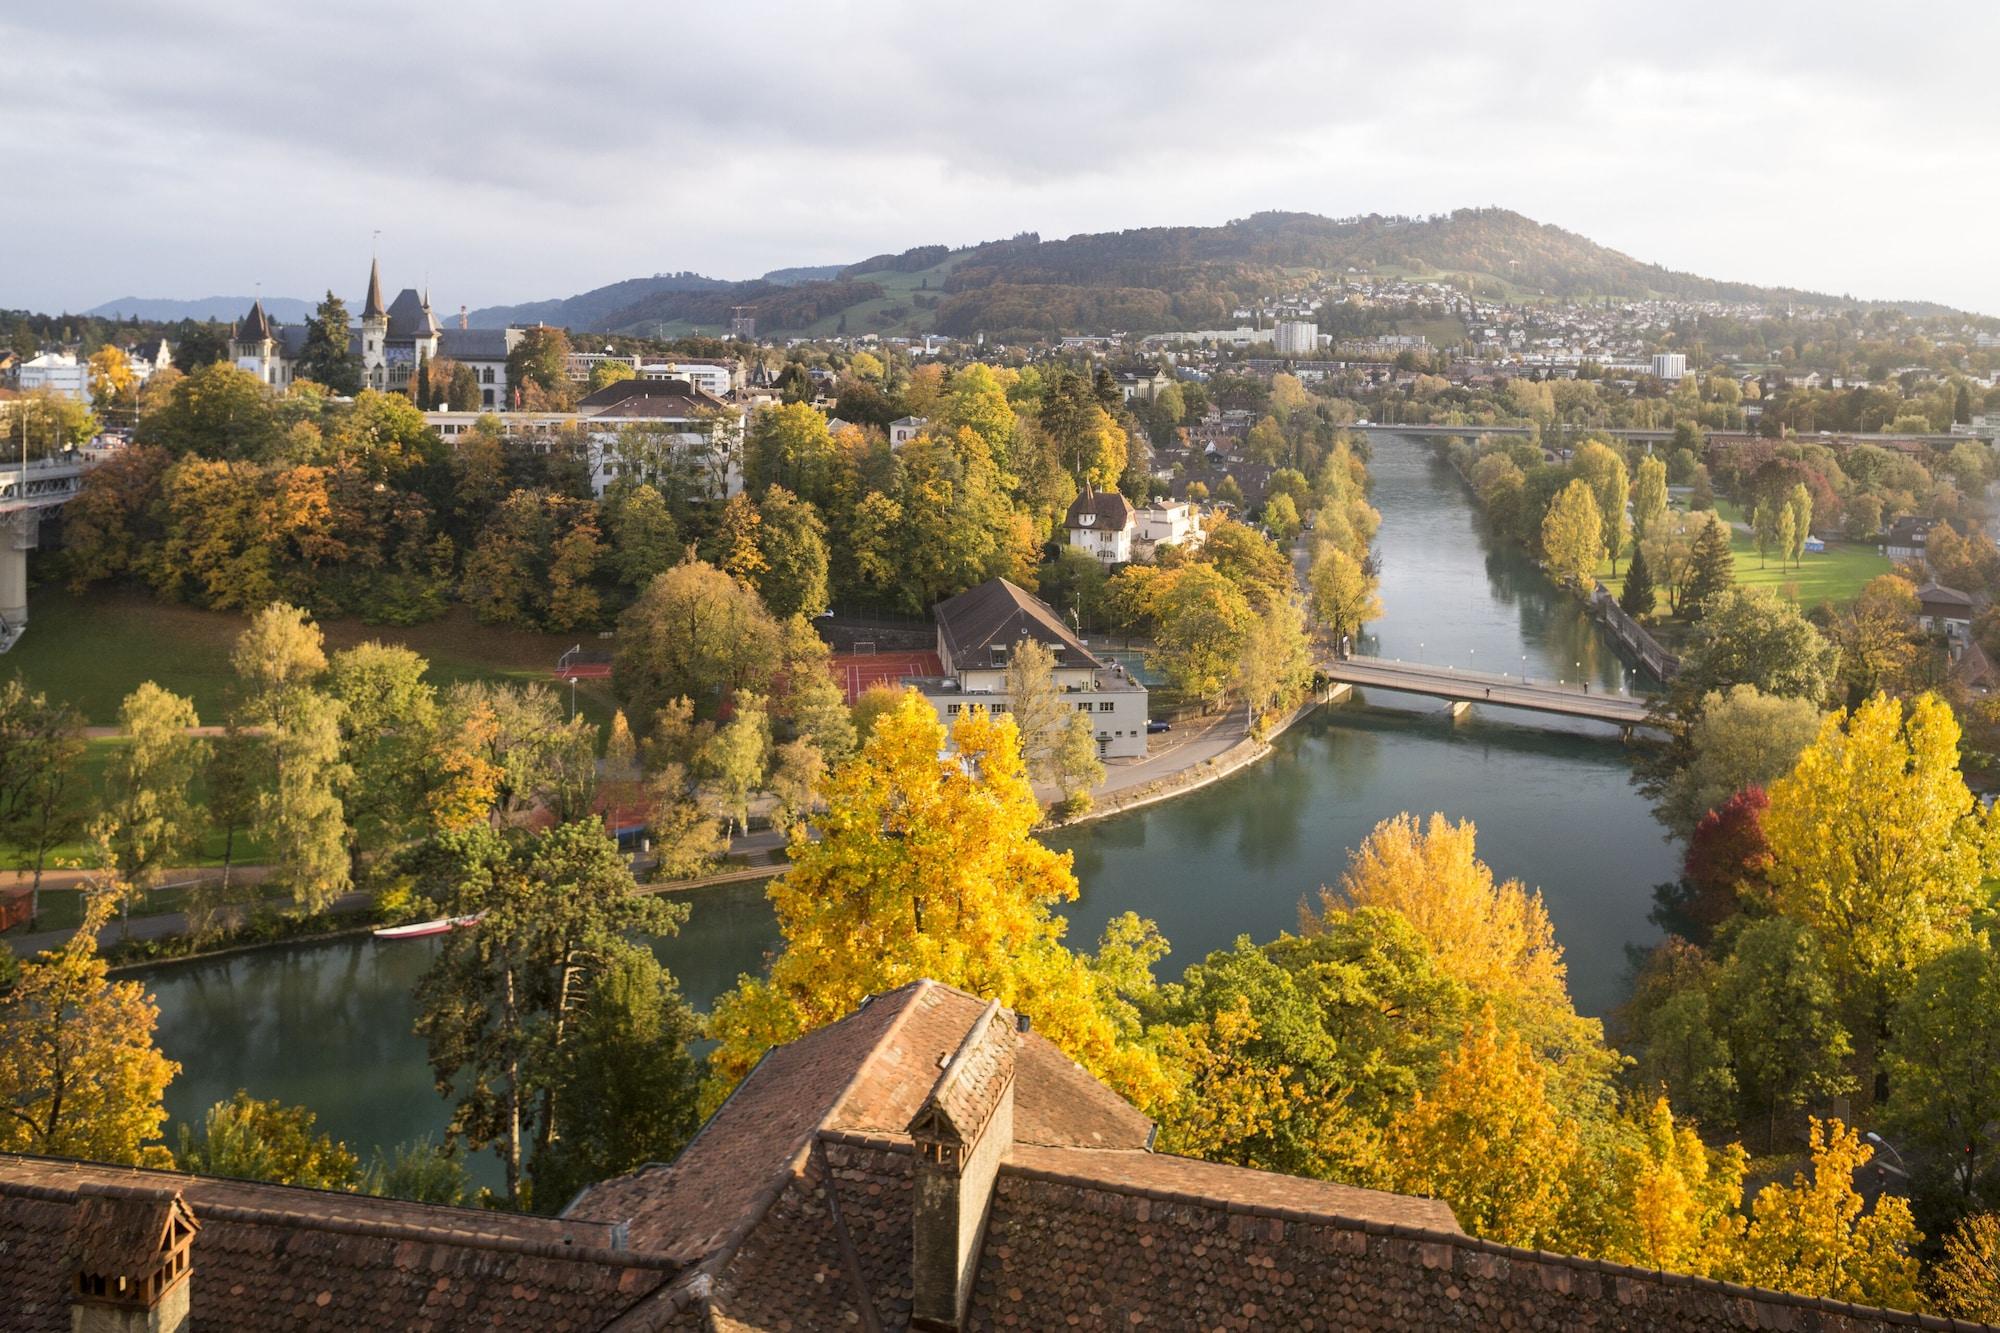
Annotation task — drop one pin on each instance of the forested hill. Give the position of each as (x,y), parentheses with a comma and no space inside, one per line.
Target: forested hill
(1147,280)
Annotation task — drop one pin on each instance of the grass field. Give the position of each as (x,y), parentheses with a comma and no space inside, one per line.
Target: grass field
(1835,575)
(94,649)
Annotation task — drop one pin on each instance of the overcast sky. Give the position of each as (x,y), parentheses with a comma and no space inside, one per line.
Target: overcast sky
(513,151)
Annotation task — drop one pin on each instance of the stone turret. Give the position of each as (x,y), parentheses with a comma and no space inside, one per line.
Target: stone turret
(374,331)
(962,1132)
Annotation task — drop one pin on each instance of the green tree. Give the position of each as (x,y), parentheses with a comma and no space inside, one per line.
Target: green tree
(1075,763)
(1742,738)
(41,780)
(688,838)
(1281,517)
(326,357)
(388,723)
(1779,1009)
(1204,624)
(738,755)
(497,1008)
(1636,598)
(622,1080)
(692,632)
(149,820)
(1573,535)
(792,540)
(248,1139)
(1800,507)
(538,366)
(1764,523)
(300,817)
(1711,565)
(1649,497)
(1943,1061)
(1276,665)
(798,770)
(644,539)
(1751,636)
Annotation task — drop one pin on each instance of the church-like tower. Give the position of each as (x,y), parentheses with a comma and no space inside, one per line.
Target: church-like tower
(374,332)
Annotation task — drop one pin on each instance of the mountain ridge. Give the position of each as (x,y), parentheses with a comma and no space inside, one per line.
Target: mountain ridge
(1146,280)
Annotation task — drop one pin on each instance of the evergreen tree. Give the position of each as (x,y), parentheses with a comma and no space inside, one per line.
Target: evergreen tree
(326,358)
(1636,598)
(1714,565)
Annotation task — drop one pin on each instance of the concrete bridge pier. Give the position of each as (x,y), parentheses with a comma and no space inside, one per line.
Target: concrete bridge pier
(1459,707)
(1338,693)
(19,533)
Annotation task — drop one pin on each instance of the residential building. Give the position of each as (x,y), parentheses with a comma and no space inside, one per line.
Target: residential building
(1907,538)
(904,429)
(389,342)
(1100,523)
(1295,337)
(1945,611)
(1670,366)
(977,632)
(928,1162)
(634,427)
(61,373)
(1166,523)
(1144,387)
(714,377)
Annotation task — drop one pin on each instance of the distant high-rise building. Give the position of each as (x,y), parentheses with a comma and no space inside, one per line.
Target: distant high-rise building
(1670,366)
(1296,337)
(742,324)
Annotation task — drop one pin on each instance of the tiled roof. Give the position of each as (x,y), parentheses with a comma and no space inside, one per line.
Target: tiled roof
(256,325)
(122,1230)
(1099,511)
(410,317)
(273,1257)
(796,1208)
(473,344)
(998,612)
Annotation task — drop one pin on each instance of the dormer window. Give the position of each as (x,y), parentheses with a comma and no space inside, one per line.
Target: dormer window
(1086,518)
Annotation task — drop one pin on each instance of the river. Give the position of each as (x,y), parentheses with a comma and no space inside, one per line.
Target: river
(328,1026)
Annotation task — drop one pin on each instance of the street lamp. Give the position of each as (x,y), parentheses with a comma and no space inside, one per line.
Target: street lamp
(1524,668)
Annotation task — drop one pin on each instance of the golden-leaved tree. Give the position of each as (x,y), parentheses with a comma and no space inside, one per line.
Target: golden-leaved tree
(1674,1199)
(79,1074)
(1487,1141)
(926,867)
(1876,842)
(1817,1236)
(1493,937)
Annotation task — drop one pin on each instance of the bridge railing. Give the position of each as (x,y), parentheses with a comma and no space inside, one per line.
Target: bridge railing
(1516,680)
(1633,636)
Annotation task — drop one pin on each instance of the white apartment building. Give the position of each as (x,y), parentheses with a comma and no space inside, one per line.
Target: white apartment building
(1295,337)
(976,635)
(1670,366)
(58,373)
(1166,523)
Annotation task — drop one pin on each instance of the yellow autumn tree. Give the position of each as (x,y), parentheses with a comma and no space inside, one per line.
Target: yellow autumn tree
(926,867)
(1491,936)
(1876,842)
(1674,1199)
(1966,1278)
(1816,1237)
(1487,1140)
(79,1074)
(1227,1098)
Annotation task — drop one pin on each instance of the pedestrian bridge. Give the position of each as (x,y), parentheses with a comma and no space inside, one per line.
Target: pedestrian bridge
(1462,689)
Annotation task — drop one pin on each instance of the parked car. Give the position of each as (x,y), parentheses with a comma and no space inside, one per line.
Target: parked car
(1156,727)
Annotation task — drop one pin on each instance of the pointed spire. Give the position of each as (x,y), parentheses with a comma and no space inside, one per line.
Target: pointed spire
(373,307)
(256,326)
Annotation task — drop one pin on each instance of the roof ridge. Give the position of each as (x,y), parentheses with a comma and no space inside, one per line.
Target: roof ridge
(1404,1231)
(918,988)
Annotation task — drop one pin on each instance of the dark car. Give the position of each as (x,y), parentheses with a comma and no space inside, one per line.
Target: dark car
(1155,728)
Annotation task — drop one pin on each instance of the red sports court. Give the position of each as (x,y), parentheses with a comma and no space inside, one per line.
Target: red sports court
(857,671)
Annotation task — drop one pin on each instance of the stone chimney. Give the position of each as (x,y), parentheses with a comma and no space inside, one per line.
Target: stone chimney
(132,1250)
(963,1131)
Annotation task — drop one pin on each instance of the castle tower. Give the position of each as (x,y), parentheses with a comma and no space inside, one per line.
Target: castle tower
(253,346)
(374,331)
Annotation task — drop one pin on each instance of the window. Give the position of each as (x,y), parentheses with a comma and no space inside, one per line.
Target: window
(1083,707)
(951,710)
(1105,706)
(489,376)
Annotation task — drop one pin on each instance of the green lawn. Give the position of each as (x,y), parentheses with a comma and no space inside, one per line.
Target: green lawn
(93,649)
(1835,575)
